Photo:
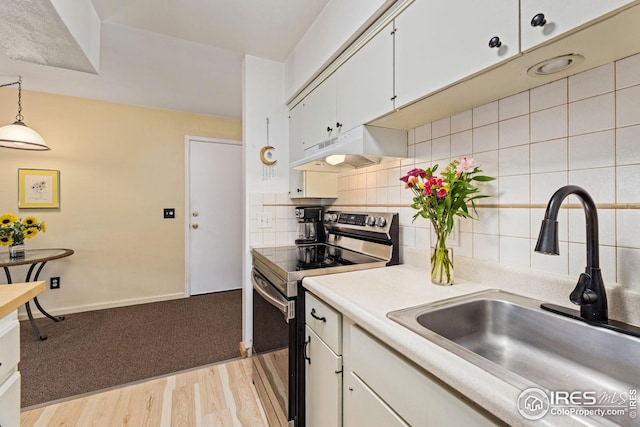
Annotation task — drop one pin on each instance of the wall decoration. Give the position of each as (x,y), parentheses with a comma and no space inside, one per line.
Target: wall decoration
(38,189)
(266,153)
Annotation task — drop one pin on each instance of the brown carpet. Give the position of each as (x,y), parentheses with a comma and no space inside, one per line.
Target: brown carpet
(104,348)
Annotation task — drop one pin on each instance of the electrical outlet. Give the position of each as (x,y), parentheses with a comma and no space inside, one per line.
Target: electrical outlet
(169,213)
(454,237)
(54,283)
(265,220)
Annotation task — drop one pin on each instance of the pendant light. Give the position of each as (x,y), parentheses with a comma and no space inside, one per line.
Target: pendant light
(18,135)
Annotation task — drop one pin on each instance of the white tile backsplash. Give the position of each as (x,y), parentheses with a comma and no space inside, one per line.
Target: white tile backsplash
(441,127)
(549,156)
(592,150)
(628,72)
(485,138)
(462,121)
(628,106)
(549,95)
(592,114)
(582,130)
(596,81)
(514,132)
(628,145)
(514,106)
(549,124)
(485,114)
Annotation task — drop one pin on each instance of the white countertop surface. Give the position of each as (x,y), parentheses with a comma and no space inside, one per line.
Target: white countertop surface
(367,296)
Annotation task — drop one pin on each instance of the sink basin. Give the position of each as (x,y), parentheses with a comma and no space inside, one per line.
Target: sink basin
(511,337)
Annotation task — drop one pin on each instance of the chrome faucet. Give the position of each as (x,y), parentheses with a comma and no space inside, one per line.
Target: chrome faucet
(589,293)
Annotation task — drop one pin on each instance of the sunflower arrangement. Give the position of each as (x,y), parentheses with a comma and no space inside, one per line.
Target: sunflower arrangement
(14,230)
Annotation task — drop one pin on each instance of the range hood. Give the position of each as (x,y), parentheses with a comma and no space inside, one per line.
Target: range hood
(356,148)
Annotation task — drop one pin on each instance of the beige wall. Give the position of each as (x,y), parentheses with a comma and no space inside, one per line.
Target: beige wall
(120,165)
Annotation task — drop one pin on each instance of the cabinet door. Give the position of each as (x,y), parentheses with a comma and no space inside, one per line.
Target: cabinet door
(311,184)
(10,401)
(365,408)
(323,383)
(560,16)
(439,43)
(296,141)
(365,82)
(319,119)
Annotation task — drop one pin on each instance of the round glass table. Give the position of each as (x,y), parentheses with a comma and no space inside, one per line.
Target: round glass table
(36,259)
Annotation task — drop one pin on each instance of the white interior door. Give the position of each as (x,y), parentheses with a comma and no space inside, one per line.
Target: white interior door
(214,216)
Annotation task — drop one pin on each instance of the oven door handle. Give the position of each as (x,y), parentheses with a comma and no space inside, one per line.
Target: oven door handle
(272,296)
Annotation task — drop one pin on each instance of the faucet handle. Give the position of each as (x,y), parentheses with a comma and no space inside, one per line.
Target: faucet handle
(581,294)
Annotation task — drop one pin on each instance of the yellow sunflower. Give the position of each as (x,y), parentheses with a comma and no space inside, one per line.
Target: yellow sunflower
(43,227)
(7,219)
(30,232)
(30,221)
(6,240)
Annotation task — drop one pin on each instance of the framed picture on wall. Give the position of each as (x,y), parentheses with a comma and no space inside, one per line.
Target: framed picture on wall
(38,189)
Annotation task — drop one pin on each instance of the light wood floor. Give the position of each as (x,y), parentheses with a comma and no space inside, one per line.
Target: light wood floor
(219,395)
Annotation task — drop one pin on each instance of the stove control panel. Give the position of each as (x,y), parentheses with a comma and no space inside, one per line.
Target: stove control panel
(378,221)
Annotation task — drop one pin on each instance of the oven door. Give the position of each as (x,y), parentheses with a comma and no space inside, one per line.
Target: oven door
(274,351)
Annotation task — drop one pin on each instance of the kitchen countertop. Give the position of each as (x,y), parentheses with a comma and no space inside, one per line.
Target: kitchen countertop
(367,296)
(14,295)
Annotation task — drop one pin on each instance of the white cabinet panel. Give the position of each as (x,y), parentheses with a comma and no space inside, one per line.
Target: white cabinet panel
(296,138)
(323,392)
(560,17)
(319,120)
(310,184)
(324,321)
(365,82)
(440,42)
(9,345)
(366,408)
(10,401)
(416,397)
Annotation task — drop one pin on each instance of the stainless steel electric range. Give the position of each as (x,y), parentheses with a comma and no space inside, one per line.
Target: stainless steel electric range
(353,241)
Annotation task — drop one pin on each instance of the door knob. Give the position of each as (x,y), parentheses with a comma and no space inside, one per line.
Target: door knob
(195,213)
(195,225)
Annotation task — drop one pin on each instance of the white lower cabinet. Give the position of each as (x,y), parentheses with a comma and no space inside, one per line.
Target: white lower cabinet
(323,385)
(9,375)
(365,407)
(409,391)
(323,364)
(354,380)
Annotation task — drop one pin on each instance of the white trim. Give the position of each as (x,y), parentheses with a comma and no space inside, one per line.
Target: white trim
(22,315)
(187,202)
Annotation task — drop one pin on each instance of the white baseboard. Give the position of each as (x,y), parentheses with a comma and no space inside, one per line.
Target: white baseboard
(22,314)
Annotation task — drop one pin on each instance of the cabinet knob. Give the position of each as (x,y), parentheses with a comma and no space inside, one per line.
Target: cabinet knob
(329,129)
(338,125)
(538,20)
(299,190)
(194,226)
(495,42)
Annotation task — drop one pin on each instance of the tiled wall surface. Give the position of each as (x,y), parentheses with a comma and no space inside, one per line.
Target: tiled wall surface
(582,130)
(283,231)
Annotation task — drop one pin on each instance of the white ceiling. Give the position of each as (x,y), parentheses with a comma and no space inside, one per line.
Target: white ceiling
(268,29)
(180,55)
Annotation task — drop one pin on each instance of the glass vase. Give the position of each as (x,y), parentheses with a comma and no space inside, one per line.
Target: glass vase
(16,251)
(441,265)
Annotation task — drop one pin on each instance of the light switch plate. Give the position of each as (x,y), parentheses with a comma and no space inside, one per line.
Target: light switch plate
(265,220)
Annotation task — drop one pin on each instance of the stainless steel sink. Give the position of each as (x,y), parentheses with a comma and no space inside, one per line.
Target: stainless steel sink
(513,338)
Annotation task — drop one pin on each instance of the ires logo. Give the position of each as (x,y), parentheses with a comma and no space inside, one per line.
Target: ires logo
(534,403)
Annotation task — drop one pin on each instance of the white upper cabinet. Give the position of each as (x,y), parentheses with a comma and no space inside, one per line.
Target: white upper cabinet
(296,138)
(438,43)
(543,20)
(319,121)
(365,82)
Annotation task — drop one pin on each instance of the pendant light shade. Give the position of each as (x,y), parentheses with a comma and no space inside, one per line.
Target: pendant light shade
(21,137)
(18,135)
